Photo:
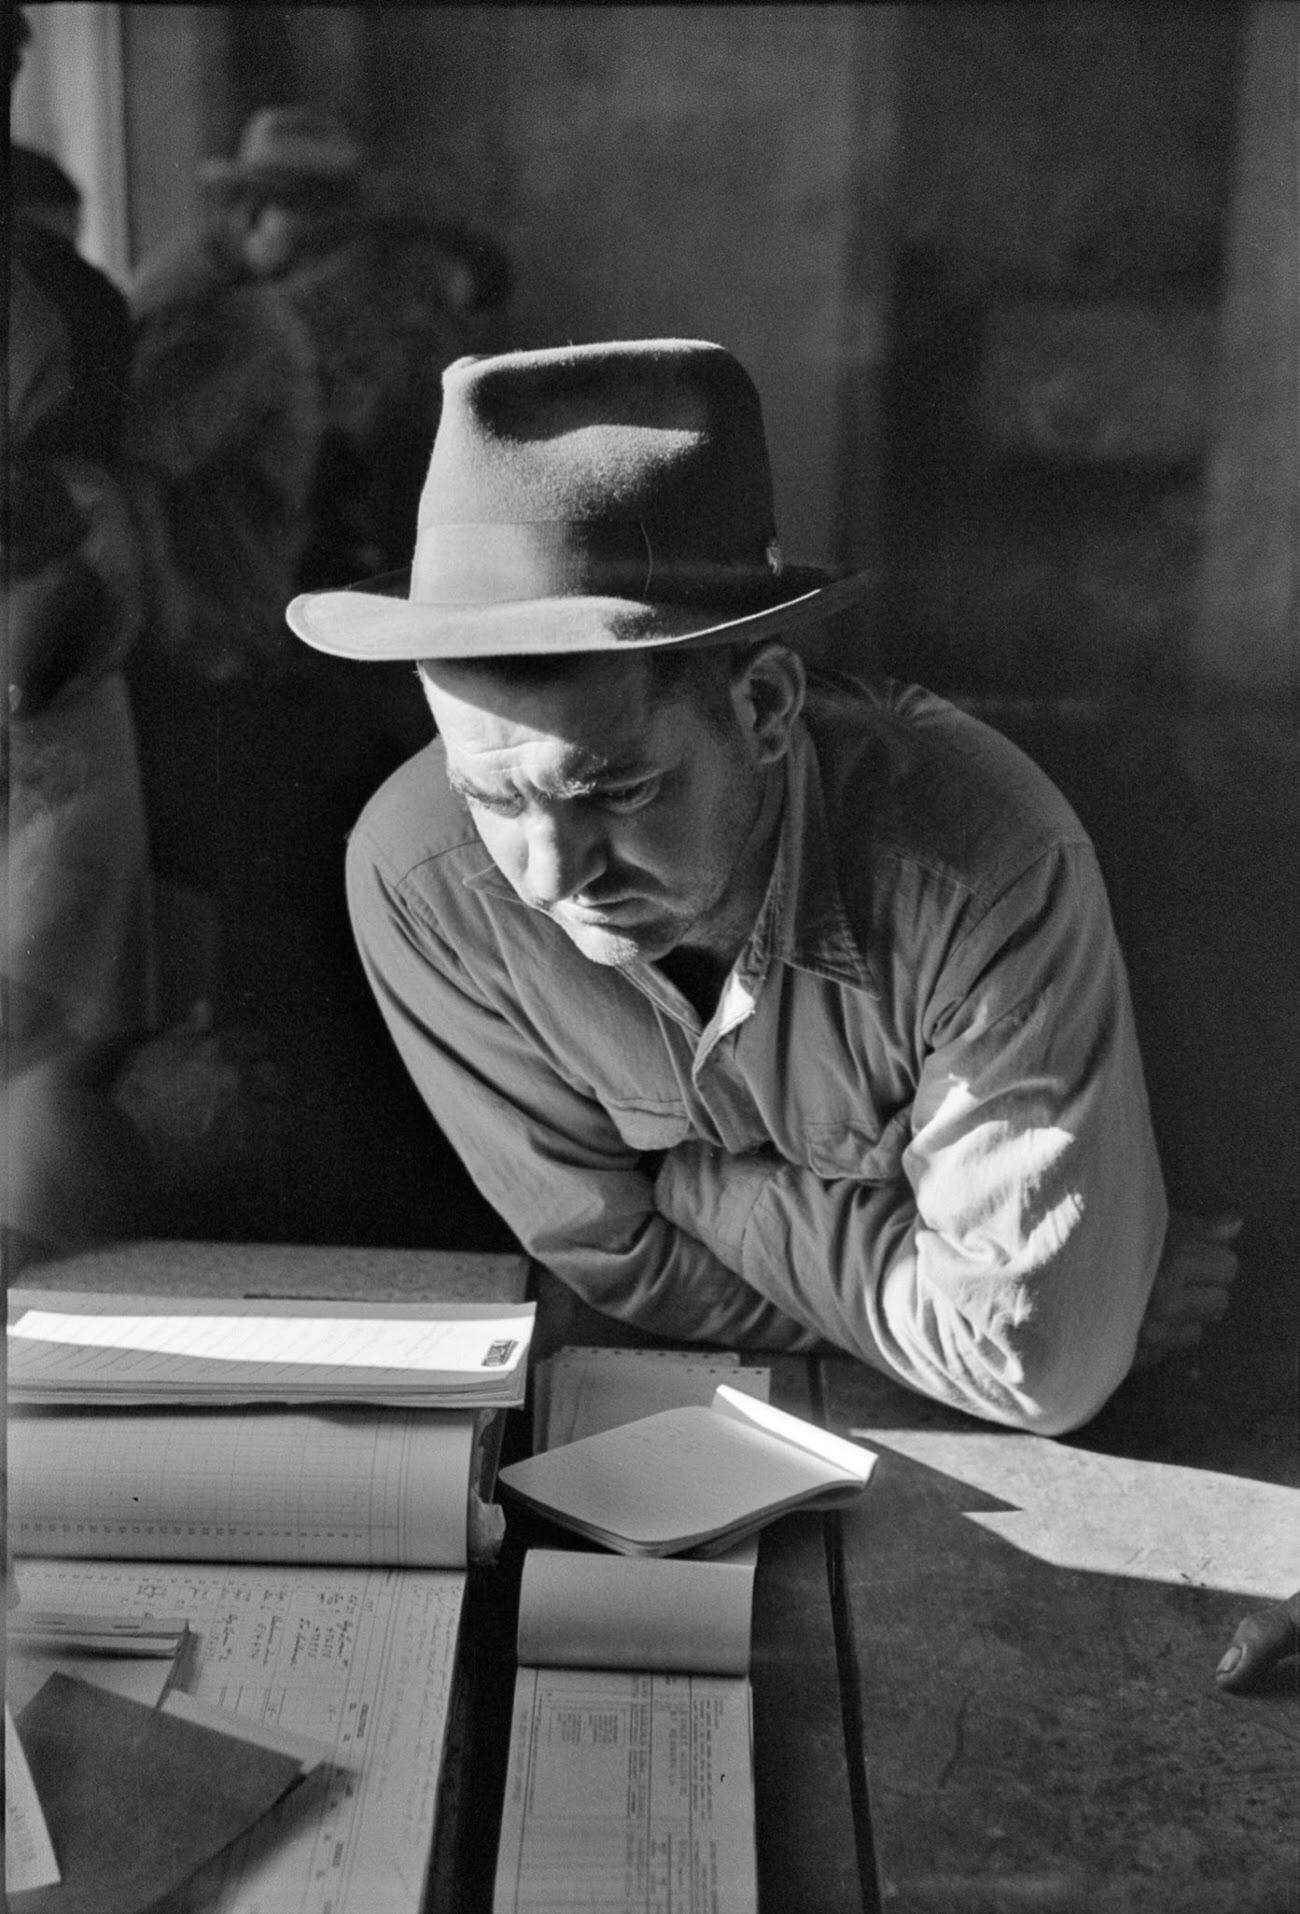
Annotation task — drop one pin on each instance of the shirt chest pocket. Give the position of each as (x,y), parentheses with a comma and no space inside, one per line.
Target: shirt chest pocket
(865,1152)
(649,1126)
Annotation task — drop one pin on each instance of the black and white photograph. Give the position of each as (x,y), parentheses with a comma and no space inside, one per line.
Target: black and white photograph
(651,1092)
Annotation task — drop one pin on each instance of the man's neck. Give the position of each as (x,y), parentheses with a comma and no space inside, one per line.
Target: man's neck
(700,965)
(699,976)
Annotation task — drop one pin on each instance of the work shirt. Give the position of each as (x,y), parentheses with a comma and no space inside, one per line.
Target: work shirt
(915,1127)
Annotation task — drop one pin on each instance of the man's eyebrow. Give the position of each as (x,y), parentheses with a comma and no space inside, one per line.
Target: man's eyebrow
(601,775)
(594,777)
(463,785)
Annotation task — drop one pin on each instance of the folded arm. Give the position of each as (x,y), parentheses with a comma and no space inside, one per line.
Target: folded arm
(1005,1268)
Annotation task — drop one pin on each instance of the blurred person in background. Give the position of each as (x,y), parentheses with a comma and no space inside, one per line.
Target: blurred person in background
(46,207)
(271,354)
(77,941)
(77,946)
(390,292)
(222,438)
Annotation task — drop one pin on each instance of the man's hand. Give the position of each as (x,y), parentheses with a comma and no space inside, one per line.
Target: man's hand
(1263,1639)
(1192,1287)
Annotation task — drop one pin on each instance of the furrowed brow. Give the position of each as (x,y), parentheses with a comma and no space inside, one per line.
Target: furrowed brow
(585,781)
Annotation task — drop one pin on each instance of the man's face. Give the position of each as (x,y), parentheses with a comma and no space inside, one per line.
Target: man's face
(623,819)
(277,235)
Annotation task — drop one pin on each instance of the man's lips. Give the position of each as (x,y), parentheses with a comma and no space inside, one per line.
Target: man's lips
(602,910)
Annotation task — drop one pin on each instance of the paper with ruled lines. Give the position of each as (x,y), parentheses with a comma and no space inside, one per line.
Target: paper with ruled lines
(74,1348)
(357,1485)
(360,1659)
(627,1792)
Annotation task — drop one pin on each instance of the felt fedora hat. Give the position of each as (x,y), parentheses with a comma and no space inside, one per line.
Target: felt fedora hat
(586,498)
(289,146)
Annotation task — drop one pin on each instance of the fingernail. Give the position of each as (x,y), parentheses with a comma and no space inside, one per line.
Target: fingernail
(1230,1661)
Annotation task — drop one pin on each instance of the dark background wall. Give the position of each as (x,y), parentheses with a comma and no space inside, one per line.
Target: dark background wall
(1018,285)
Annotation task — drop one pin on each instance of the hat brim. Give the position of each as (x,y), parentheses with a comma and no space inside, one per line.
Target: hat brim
(376,621)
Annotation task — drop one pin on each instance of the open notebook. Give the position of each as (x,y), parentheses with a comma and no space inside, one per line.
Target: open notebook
(631,1778)
(630,1781)
(691,1476)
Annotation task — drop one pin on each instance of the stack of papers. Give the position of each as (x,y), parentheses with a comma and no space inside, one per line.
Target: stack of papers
(121,1351)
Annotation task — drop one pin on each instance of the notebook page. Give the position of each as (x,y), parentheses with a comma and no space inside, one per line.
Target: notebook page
(579,1610)
(596,1389)
(355,1485)
(361,1659)
(141,1678)
(626,1792)
(840,1458)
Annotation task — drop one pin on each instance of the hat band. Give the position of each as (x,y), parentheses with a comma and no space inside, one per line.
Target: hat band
(561,558)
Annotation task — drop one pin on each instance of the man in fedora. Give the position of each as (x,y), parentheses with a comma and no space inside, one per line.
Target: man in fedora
(766,1007)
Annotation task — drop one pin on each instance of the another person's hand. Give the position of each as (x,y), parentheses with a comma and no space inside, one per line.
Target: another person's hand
(1265,1638)
(1192,1287)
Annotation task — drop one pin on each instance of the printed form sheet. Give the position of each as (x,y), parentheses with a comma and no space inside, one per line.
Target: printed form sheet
(360,1659)
(628,1791)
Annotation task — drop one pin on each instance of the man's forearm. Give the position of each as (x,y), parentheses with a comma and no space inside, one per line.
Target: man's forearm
(1033,1332)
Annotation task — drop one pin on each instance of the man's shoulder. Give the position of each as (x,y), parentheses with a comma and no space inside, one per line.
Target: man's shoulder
(415,829)
(933,786)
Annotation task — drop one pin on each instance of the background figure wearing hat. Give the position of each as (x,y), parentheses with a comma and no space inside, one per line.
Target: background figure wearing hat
(390,291)
(258,370)
(223,429)
(767,1008)
(261,399)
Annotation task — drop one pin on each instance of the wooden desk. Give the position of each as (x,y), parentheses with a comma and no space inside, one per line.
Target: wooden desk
(990,1688)
(987,1689)
(1034,1627)
(811,1828)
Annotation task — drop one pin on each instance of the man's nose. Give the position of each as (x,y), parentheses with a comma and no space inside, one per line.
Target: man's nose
(565,855)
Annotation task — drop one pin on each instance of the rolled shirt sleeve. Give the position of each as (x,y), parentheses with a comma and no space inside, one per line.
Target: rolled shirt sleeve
(1005,1268)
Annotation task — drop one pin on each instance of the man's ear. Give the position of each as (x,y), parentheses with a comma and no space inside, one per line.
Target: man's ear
(767,693)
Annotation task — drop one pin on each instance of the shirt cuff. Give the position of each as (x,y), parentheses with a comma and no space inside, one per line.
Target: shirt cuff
(711,1195)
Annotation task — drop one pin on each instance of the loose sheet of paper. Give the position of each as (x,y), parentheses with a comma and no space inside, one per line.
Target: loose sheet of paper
(138,1801)
(628,1791)
(29,1855)
(360,1659)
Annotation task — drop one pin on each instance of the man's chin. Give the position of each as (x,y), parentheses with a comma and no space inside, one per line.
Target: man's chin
(600,944)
